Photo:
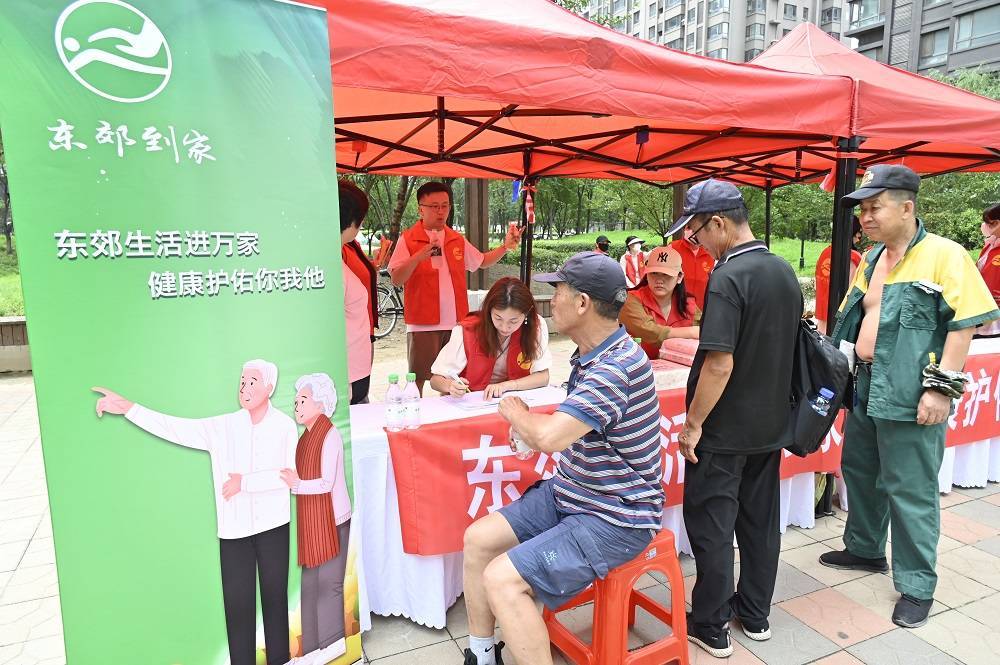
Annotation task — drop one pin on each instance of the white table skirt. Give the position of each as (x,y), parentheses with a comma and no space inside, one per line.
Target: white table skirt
(971,465)
(422,588)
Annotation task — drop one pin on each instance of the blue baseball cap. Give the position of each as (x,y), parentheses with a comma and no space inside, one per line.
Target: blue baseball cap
(596,274)
(707,196)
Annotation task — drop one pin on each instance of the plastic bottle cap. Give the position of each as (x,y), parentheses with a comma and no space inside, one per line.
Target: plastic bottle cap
(393,378)
(826,392)
(411,376)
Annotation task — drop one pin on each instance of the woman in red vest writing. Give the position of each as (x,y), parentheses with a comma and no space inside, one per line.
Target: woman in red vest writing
(659,308)
(360,284)
(323,516)
(504,346)
(989,264)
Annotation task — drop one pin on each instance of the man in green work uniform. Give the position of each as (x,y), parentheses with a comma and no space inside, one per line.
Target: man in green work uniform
(910,312)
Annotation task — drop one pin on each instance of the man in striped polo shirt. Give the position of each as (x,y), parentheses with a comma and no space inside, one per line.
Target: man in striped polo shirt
(605,501)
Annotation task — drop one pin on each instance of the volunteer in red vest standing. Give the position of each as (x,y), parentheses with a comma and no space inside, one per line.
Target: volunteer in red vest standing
(502,347)
(430,262)
(989,265)
(823,274)
(633,261)
(696,263)
(360,284)
(659,308)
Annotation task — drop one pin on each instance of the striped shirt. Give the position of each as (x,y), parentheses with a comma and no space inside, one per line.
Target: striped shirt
(613,472)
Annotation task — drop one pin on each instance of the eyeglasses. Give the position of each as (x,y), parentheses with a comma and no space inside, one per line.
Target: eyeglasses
(694,236)
(436,207)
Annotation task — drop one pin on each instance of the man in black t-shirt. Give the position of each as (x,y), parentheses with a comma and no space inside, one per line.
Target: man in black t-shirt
(737,411)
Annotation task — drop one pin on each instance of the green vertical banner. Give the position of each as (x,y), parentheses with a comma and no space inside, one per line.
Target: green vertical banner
(174,195)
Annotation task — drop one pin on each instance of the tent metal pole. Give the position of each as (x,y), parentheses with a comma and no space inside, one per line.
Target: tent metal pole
(527,229)
(840,256)
(767,214)
(840,259)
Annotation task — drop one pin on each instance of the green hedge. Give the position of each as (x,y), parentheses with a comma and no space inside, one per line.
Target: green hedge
(548,255)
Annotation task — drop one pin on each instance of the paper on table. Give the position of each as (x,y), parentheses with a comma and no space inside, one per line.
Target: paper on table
(474,401)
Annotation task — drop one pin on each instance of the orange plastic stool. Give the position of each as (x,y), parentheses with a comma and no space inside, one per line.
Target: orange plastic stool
(614,612)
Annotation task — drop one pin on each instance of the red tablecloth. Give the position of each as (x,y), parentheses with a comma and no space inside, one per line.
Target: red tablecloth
(449,474)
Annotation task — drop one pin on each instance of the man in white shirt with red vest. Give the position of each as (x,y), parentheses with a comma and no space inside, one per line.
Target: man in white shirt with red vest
(430,262)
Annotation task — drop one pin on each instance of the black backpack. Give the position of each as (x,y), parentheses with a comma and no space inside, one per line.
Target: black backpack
(817,364)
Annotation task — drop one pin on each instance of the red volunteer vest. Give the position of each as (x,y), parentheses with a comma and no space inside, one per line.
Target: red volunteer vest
(355,259)
(696,269)
(479,366)
(989,268)
(420,292)
(823,279)
(677,319)
(633,275)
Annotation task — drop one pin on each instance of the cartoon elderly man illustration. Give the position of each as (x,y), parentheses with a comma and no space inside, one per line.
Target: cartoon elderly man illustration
(248,448)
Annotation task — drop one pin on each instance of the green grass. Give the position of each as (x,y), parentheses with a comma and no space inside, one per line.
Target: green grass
(787,248)
(11,301)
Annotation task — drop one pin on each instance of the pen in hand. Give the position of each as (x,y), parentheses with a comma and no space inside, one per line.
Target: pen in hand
(459,386)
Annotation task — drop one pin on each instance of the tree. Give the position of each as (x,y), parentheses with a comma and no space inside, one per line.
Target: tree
(6,221)
(634,204)
(580,6)
(951,205)
(389,198)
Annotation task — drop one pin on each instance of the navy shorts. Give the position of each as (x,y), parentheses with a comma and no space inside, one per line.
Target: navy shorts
(560,554)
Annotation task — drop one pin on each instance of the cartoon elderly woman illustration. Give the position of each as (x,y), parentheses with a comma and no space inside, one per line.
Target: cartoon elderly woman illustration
(323,508)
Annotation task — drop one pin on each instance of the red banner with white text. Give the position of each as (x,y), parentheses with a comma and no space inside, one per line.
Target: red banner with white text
(451,473)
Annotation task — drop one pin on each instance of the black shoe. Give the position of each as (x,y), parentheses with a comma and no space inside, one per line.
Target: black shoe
(758,631)
(470,658)
(911,612)
(844,560)
(715,641)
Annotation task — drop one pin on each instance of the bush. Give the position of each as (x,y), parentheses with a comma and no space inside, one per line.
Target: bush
(962,226)
(549,255)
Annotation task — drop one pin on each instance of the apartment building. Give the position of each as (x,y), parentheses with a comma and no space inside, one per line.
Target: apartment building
(921,35)
(736,30)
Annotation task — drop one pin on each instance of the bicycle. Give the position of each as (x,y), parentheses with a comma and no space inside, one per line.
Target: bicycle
(390,306)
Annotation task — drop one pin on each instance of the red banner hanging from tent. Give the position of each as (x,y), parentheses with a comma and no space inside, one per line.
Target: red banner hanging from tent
(451,473)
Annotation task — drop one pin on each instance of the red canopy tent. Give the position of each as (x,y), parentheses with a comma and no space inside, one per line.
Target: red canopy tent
(930,126)
(896,117)
(525,88)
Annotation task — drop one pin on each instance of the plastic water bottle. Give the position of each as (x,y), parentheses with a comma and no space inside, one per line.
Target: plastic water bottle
(521,449)
(394,405)
(411,403)
(821,403)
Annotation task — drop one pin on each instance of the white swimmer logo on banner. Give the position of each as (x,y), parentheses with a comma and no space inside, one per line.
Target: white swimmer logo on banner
(113,50)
